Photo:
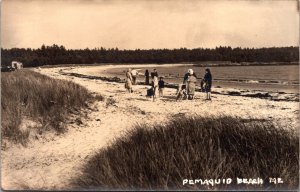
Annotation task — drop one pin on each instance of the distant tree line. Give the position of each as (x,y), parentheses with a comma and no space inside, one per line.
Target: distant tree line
(55,54)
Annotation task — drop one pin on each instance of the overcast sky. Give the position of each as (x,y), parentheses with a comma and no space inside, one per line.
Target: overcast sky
(145,24)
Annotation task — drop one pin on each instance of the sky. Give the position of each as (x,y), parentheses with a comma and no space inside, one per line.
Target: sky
(147,24)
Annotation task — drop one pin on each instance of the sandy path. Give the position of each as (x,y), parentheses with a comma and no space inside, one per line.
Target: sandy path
(51,162)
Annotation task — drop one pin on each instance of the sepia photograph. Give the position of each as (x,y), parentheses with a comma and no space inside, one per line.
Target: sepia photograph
(149,95)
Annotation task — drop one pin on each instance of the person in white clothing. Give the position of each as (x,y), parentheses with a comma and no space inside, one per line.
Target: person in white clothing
(154,87)
(134,74)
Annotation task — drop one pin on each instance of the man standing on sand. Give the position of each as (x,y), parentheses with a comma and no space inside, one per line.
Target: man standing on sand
(146,77)
(134,74)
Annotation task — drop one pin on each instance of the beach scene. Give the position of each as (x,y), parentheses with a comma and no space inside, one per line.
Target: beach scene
(139,112)
(278,78)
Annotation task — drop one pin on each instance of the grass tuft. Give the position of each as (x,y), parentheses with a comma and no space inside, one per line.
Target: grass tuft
(99,97)
(162,156)
(43,99)
(110,102)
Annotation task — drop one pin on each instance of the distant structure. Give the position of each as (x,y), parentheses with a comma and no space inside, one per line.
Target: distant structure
(16,65)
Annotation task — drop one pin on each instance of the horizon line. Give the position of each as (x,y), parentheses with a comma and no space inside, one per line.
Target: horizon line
(108,48)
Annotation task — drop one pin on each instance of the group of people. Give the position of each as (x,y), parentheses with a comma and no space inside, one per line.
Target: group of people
(157,86)
(185,90)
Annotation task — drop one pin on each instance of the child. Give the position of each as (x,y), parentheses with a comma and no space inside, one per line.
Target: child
(161,86)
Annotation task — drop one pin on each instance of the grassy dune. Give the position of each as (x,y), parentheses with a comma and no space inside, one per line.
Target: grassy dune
(162,156)
(30,95)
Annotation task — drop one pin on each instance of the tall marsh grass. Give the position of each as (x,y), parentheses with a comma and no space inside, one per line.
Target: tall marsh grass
(29,95)
(162,156)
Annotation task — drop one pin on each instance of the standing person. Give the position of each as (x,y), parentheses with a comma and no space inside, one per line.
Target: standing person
(161,86)
(186,76)
(208,82)
(154,87)
(147,77)
(134,74)
(128,83)
(191,84)
(154,73)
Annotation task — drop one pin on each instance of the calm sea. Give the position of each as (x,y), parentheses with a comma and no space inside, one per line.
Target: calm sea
(276,78)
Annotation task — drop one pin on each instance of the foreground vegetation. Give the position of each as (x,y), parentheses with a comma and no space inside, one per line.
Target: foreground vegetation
(53,55)
(162,156)
(30,95)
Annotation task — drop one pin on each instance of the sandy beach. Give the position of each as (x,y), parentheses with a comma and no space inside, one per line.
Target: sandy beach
(52,161)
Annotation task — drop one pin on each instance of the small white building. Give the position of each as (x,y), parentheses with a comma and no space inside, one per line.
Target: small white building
(16,65)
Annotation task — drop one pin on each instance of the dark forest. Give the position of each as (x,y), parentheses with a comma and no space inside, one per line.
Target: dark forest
(55,54)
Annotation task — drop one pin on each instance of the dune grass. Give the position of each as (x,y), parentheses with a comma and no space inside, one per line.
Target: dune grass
(30,95)
(162,156)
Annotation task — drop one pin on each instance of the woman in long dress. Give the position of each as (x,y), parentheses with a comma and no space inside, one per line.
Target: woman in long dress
(154,85)
(191,84)
(208,82)
(128,83)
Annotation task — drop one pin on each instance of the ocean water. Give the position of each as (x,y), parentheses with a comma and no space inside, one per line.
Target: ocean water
(275,78)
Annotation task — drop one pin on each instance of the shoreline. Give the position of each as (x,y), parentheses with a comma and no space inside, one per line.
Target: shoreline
(194,64)
(274,96)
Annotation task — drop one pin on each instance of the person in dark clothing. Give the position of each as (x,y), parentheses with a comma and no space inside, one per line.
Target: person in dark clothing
(185,78)
(154,73)
(147,77)
(208,82)
(161,86)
